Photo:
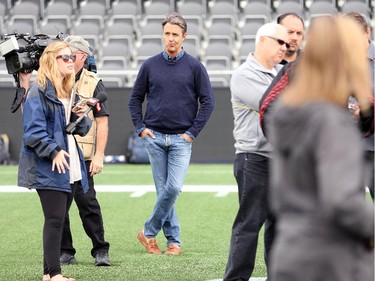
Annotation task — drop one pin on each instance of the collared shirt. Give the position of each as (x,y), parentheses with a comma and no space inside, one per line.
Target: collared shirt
(168,58)
(248,84)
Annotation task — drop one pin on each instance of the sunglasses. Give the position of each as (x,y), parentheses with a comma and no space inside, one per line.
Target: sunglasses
(66,58)
(281,42)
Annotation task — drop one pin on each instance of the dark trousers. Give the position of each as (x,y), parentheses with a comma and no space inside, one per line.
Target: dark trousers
(55,205)
(370,164)
(92,221)
(252,175)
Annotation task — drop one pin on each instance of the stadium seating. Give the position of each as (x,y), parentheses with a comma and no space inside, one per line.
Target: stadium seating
(117,45)
(95,7)
(192,8)
(34,8)
(255,10)
(251,25)
(125,8)
(123,33)
(110,70)
(294,6)
(58,17)
(22,24)
(358,6)
(53,25)
(192,45)
(3,14)
(221,26)
(195,25)
(148,46)
(322,8)
(159,7)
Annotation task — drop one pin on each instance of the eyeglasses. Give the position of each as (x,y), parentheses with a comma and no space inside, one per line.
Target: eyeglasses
(281,42)
(66,58)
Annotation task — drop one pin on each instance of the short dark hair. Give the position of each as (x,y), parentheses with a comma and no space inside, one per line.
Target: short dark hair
(177,19)
(283,16)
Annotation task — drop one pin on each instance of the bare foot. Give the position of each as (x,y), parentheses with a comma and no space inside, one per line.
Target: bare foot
(46,278)
(59,277)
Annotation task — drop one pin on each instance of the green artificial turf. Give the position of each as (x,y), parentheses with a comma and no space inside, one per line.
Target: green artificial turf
(126,174)
(206,222)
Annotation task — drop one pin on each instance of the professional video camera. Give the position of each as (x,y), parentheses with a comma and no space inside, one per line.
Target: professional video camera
(24,58)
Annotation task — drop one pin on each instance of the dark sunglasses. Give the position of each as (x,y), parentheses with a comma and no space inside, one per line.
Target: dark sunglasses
(66,58)
(281,42)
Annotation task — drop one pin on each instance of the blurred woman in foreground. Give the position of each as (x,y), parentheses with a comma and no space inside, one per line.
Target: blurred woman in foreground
(325,224)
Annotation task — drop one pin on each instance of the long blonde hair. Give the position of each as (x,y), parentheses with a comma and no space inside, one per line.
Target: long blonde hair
(333,65)
(48,70)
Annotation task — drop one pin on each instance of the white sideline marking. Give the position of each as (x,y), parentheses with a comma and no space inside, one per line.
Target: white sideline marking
(140,190)
(138,194)
(222,193)
(146,172)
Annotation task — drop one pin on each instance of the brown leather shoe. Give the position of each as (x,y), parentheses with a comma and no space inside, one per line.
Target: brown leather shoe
(149,243)
(173,249)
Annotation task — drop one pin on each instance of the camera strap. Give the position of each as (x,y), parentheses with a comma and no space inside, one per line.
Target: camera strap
(18,99)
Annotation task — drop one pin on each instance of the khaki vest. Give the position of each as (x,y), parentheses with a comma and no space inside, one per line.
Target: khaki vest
(85,87)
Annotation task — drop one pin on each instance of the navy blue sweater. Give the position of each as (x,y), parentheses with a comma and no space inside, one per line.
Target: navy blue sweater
(179,96)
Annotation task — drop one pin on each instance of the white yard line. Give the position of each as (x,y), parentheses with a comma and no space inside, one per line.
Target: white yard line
(145,172)
(140,190)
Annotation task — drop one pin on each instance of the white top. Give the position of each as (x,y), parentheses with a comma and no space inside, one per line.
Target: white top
(74,163)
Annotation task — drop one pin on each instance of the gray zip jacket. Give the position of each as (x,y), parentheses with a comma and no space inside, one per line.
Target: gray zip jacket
(248,84)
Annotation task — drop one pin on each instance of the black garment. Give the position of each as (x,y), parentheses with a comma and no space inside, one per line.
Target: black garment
(252,175)
(92,221)
(55,205)
(370,165)
(284,61)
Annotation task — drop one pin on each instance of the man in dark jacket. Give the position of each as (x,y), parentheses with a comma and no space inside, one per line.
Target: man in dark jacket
(88,85)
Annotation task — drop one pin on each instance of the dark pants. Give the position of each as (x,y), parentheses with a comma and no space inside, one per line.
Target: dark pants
(92,221)
(55,205)
(252,175)
(370,164)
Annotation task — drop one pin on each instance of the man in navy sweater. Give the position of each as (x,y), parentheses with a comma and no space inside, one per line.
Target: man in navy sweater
(180,101)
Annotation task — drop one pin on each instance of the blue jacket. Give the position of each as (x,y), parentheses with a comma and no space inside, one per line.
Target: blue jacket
(44,135)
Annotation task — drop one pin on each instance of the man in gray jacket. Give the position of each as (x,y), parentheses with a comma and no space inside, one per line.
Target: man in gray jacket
(251,165)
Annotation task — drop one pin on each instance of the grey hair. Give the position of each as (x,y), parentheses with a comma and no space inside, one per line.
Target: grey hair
(268,29)
(177,19)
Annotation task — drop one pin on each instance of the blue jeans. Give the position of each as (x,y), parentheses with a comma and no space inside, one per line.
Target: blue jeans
(252,175)
(169,158)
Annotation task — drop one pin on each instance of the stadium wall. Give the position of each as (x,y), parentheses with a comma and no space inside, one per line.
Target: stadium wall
(213,145)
